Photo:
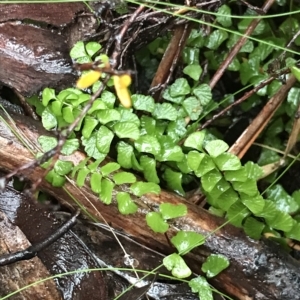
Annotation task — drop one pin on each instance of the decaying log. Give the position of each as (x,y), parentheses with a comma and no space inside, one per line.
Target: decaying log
(35,40)
(258,269)
(22,273)
(57,14)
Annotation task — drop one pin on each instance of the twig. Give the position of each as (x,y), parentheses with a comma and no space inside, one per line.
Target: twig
(32,251)
(236,48)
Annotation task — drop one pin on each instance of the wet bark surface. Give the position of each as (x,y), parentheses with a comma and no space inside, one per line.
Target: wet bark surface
(35,41)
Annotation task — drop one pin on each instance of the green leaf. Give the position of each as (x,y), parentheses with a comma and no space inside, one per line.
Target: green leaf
(263,50)
(156,222)
(203,93)
(177,266)
(141,102)
(108,115)
(216,211)
(177,129)
(95,165)
(253,228)
(104,139)
(128,116)
(92,48)
(56,107)
(68,115)
(201,286)
(148,125)
(248,187)
(191,55)
(96,182)
(90,147)
(210,179)
(247,47)
(141,188)
(47,142)
(48,95)
(98,104)
(282,200)
(247,72)
(185,241)
(216,38)
(296,196)
(293,101)
(48,119)
(124,177)
(62,167)
(90,124)
(169,151)
(149,168)
(224,18)
(236,175)
(180,88)
(148,144)
(106,191)
(254,203)
(109,168)
(254,171)
(193,70)
(294,233)
(269,212)
(78,50)
(227,162)
(194,159)
(125,205)
(259,29)
(206,165)
(193,107)
(214,265)
(174,181)
(165,111)
(196,38)
(227,199)
(220,188)
(127,130)
(125,152)
(183,165)
(296,72)
(237,213)
(282,221)
(55,179)
(108,98)
(216,148)
(81,176)
(195,140)
(171,211)
(175,99)
(70,146)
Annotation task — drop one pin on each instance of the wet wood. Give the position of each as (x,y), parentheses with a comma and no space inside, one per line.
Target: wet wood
(34,58)
(250,134)
(37,222)
(35,40)
(22,273)
(57,14)
(258,270)
(170,58)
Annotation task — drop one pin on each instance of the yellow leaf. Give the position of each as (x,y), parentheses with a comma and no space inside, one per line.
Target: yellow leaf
(121,84)
(88,79)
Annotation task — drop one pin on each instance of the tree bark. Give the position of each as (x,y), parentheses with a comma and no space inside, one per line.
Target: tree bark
(258,269)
